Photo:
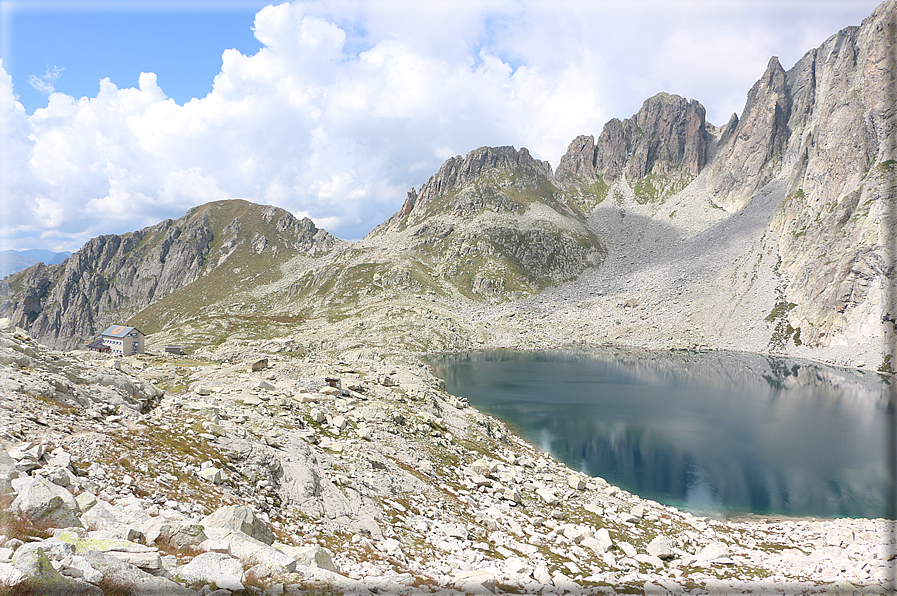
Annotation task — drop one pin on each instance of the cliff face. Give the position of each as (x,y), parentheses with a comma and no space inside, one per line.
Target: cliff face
(838,222)
(826,130)
(663,147)
(113,277)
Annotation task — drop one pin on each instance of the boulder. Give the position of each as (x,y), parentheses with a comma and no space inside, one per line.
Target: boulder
(186,535)
(255,365)
(475,582)
(311,556)
(713,551)
(482,467)
(239,518)
(213,475)
(31,560)
(10,577)
(661,548)
(85,501)
(247,548)
(132,580)
(223,571)
(43,501)
(548,496)
(148,561)
(576,482)
(102,541)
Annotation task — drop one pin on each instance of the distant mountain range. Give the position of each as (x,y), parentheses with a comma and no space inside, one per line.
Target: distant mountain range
(770,233)
(13,261)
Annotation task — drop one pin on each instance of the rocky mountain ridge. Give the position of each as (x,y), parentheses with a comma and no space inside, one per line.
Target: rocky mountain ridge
(112,277)
(768,234)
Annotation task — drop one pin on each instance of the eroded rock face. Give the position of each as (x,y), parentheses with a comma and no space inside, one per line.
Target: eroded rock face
(458,173)
(836,224)
(113,277)
(666,136)
(754,154)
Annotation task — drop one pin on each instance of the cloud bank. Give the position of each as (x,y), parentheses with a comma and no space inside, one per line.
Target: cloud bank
(348,105)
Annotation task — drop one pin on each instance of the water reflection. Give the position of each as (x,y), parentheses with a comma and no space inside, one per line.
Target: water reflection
(710,432)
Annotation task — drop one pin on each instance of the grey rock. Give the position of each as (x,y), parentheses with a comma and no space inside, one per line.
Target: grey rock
(148,561)
(247,548)
(136,581)
(311,556)
(240,518)
(43,578)
(661,548)
(42,500)
(223,571)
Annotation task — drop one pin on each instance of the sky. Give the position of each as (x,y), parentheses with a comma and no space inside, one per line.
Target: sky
(115,115)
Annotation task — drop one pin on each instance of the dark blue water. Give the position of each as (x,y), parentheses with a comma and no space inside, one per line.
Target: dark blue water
(713,433)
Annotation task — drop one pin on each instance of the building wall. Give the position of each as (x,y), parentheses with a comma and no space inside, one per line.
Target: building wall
(125,346)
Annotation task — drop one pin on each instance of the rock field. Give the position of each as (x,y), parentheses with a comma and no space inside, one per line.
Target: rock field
(280,474)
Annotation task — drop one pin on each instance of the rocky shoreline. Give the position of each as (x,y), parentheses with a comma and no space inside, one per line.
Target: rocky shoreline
(154,475)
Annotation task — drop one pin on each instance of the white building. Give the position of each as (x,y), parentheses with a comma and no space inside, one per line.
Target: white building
(123,341)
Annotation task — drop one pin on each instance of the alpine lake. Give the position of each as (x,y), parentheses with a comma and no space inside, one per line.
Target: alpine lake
(721,434)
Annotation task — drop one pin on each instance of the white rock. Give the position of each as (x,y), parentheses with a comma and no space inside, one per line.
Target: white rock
(714,550)
(148,561)
(213,475)
(139,582)
(311,556)
(518,565)
(247,548)
(482,467)
(241,518)
(11,577)
(88,573)
(224,571)
(42,500)
(575,482)
(661,548)
(475,582)
(627,548)
(541,574)
(548,496)
(649,559)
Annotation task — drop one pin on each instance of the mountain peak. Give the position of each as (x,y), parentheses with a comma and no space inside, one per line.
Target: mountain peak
(664,140)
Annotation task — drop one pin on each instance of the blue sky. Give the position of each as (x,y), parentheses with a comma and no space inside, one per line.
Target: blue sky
(181,42)
(116,115)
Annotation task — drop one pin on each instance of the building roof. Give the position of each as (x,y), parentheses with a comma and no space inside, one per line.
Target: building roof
(98,345)
(119,331)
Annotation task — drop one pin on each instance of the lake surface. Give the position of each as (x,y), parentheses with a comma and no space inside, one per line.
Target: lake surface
(718,433)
